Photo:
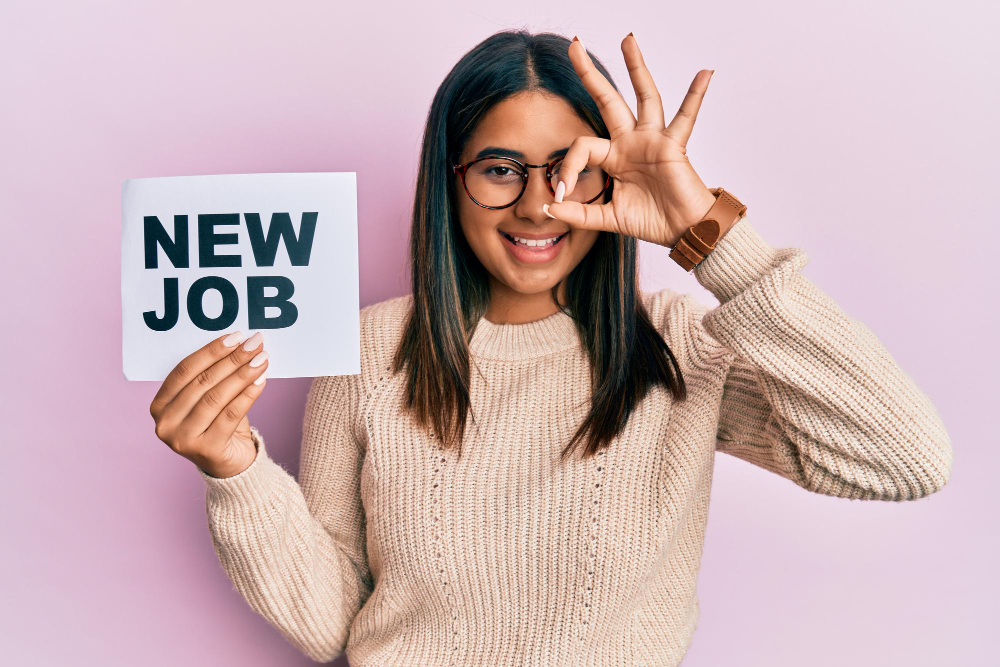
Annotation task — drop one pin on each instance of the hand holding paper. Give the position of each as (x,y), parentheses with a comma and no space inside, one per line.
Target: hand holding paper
(201,408)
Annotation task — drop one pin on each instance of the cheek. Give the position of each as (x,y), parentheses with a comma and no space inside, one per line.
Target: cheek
(478,227)
(582,244)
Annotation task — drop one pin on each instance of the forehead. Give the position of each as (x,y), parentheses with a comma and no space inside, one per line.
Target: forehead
(532,122)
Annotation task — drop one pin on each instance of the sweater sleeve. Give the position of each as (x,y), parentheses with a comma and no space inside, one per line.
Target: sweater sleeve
(296,552)
(811,393)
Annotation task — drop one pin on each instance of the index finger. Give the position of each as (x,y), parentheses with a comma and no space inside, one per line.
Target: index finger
(190,366)
(583,152)
(615,112)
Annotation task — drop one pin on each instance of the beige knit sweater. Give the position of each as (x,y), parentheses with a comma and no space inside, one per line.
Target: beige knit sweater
(402,554)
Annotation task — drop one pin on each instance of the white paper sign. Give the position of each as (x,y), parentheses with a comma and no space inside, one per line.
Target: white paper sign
(275,253)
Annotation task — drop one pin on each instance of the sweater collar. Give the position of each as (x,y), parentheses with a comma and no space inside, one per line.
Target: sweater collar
(512,342)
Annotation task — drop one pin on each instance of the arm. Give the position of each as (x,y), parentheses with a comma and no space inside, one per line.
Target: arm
(812,394)
(296,553)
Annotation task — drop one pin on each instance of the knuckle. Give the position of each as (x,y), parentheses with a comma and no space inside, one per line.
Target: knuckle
(236,356)
(185,440)
(232,414)
(182,447)
(244,372)
(212,398)
(204,378)
(603,99)
(217,347)
(182,368)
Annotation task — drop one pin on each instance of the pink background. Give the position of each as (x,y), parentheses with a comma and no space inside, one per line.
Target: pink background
(863,132)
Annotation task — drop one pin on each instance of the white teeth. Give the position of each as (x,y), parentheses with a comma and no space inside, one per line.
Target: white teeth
(532,242)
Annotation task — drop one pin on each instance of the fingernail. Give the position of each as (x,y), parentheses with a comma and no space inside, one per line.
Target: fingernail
(632,35)
(253,341)
(560,190)
(259,359)
(233,338)
(713,73)
(260,380)
(545,207)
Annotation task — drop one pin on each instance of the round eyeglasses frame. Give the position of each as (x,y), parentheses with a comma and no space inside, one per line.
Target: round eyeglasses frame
(461,170)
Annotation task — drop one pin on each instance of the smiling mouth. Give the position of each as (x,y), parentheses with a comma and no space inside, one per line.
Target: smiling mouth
(538,245)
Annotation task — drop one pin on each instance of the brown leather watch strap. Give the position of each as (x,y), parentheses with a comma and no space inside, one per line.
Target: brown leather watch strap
(700,239)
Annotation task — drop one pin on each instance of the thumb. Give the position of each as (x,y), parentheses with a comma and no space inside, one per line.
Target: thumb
(597,217)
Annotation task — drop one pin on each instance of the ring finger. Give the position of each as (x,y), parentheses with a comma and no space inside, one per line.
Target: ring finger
(184,402)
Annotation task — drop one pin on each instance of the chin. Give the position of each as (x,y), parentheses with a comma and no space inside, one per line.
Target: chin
(526,284)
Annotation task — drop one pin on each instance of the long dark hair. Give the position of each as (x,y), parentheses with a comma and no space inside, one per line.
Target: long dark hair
(451,289)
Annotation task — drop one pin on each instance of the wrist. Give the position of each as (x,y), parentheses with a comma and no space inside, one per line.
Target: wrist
(714,222)
(707,202)
(226,469)
(704,202)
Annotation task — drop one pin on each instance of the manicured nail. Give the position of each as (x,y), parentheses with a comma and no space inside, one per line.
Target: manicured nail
(259,359)
(253,341)
(560,190)
(713,73)
(260,380)
(545,207)
(233,338)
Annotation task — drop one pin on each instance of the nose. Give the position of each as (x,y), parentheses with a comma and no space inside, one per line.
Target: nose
(536,193)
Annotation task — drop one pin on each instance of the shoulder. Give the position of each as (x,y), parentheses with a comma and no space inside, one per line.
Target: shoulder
(382,325)
(678,317)
(667,302)
(672,311)
(387,313)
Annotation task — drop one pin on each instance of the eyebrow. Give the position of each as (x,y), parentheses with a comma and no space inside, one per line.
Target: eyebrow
(497,150)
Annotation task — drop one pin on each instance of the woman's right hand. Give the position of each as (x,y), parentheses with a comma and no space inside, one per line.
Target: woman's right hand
(201,408)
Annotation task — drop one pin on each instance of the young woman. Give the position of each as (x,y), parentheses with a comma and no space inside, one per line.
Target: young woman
(521,472)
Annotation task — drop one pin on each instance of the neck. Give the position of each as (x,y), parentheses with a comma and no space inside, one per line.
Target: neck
(508,306)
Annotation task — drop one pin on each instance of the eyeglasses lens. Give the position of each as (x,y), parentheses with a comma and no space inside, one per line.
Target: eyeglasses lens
(498,182)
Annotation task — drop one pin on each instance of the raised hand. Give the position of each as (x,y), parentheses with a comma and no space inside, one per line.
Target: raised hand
(201,408)
(657,194)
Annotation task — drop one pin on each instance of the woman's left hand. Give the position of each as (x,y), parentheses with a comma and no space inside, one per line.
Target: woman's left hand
(657,194)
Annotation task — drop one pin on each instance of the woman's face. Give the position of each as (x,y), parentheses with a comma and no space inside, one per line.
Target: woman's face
(534,128)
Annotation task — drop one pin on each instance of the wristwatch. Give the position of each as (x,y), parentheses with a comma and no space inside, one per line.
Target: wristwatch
(700,239)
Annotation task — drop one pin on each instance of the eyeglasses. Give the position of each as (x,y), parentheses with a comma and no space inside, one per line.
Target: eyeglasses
(498,181)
